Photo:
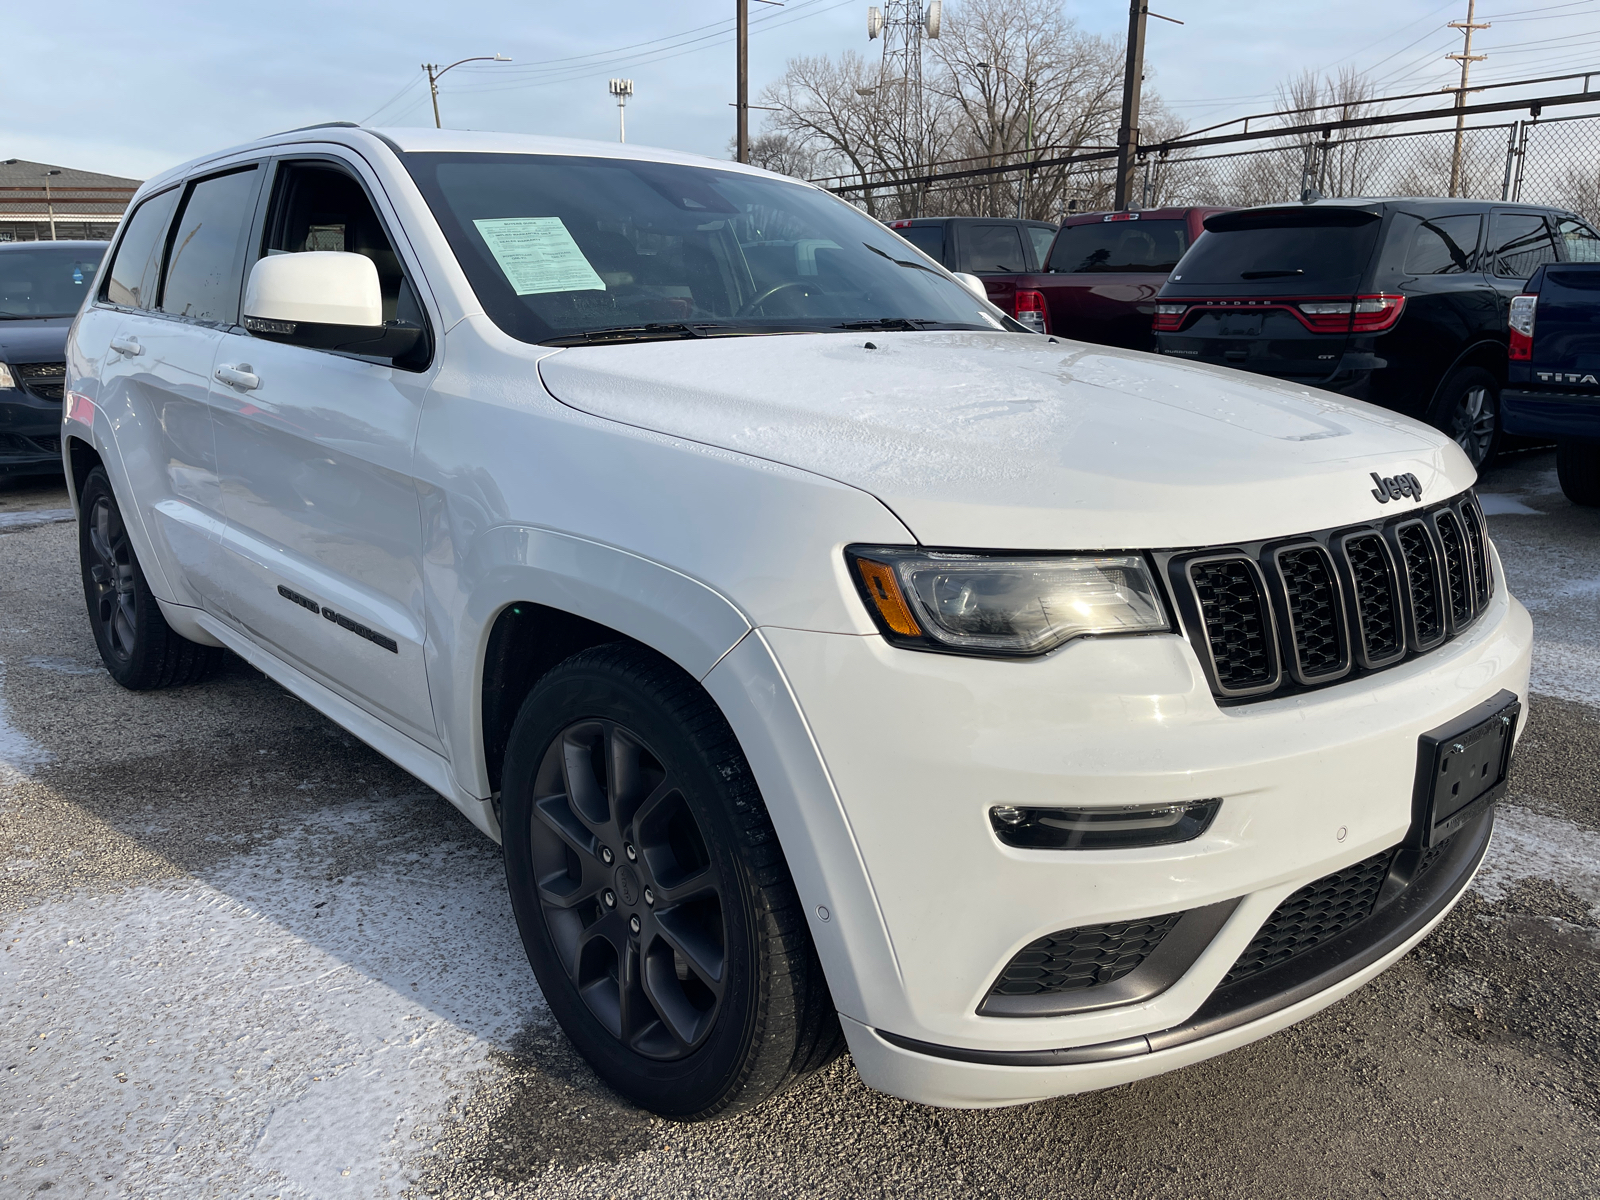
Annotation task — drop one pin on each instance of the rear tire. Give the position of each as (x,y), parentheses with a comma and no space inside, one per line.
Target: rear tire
(652,896)
(1578,469)
(1467,407)
(138,647)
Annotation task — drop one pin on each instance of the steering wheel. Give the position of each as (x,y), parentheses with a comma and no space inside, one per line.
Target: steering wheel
(768,295)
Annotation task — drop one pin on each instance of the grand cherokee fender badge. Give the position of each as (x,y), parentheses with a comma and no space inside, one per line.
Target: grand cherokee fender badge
(339,619)
(1393,487)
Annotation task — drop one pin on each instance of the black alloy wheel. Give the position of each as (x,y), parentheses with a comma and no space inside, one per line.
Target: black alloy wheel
(629,892)
(1468,409)
(651,892)
(137,646)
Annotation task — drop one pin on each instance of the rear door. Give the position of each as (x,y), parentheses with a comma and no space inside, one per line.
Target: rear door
(321,556)
(1269,290)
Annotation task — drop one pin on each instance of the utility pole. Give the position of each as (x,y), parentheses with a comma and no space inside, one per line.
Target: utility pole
(742,100)
(1027,150)
(622,89)
(1132,78)
(1466,58)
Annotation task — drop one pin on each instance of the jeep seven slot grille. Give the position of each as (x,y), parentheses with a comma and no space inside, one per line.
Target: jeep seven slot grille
(1082,958)
(1274,617)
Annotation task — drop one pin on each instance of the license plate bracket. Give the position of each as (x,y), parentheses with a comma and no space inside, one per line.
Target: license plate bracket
(1461,768)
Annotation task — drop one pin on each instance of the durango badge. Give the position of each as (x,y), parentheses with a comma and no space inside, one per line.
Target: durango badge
(1393,487)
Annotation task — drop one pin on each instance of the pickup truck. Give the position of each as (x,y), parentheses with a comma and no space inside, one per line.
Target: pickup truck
(1553,377)
(1100,281)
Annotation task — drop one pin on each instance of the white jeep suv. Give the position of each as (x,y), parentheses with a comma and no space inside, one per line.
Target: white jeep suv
(837,661)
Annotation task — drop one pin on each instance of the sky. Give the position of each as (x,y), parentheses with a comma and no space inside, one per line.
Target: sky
(131,91)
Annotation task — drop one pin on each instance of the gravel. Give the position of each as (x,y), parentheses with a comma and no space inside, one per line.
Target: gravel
(244,956)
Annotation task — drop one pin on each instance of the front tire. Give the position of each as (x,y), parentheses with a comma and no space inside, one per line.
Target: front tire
(138,647)
(1467,408)
(1578,469)
(651,894)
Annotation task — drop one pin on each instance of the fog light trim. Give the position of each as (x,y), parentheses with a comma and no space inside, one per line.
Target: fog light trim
(1123,828)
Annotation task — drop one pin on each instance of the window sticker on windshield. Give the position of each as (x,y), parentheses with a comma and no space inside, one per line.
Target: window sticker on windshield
(538,255)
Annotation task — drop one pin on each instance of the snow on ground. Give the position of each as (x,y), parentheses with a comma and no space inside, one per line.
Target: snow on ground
(19,753)
(37,516)
(272,1030)
(1498,504)
(1531,845)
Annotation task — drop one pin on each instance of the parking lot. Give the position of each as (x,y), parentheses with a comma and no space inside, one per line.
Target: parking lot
(246,956)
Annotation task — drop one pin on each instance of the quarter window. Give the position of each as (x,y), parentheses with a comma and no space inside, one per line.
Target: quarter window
(1519,243)
(1443,246)
(206,250)
(1579,243)
(131,281)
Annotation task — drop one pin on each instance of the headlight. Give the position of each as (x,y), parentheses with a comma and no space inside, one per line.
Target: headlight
(5,377)
(972,603)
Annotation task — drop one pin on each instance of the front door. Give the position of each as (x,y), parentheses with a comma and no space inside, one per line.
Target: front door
(321,554)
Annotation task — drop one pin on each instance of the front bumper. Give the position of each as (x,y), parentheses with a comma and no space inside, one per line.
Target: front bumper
(917,748)
(30,434)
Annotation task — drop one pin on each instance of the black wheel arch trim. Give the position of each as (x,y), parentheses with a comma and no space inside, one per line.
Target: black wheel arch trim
(1270,991)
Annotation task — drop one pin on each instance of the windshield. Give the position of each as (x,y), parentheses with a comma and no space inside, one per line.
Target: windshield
(1280,252)
(46,280)
(1147,247)
(562,249)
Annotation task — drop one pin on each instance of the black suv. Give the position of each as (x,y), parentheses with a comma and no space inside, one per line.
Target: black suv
(1400,302)
(980,245)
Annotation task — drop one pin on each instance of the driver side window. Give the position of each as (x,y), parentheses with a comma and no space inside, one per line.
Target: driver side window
(316,206)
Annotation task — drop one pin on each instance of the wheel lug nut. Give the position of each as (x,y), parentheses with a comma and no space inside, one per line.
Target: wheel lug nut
(606,856)
(649,898)
(610,898)
(633,855)
(633,924)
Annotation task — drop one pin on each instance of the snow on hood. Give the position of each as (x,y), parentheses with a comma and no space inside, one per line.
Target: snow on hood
(1016,441)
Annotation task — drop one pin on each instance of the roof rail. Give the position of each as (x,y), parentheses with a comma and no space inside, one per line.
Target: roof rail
(319,125)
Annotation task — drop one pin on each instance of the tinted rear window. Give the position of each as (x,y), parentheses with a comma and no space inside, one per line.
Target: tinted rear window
(927,238)
(986,249)
(1145,246)
(1282,252)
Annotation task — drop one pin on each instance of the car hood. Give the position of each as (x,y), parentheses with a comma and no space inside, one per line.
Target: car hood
(1020,442)
(34,341)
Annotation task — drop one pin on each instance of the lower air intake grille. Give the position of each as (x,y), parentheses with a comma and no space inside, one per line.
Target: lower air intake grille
(1379,613)
(1314,616)
(1236,620)
(1082,958)
(1315,913)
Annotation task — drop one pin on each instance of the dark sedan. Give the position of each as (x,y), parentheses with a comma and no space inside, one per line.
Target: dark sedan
(42,285)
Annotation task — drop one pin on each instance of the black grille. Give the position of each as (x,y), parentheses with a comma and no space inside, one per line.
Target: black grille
(1416,552)
(1473,524)
(1313,914)
(50,445)
(1377,604)
(45,380)
(1315,620)
(1082,958)
(1457,568)
(1237,623)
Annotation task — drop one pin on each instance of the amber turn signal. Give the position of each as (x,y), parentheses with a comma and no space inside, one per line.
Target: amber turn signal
(884,591)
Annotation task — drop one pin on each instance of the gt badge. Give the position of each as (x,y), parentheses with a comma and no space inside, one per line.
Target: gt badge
(1395,486)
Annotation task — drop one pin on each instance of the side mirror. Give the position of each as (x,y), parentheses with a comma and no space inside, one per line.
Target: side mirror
(973,284)
(325,300)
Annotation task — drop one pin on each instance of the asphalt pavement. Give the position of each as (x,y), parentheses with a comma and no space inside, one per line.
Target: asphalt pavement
(245,956)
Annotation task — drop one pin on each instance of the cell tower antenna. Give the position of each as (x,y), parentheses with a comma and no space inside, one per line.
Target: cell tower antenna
(902,25)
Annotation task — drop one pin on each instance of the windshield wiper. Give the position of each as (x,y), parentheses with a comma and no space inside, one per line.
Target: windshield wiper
(1270,274)
(655,331)
(902,324)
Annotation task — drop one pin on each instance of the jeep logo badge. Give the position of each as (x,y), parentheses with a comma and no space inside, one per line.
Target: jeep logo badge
(1395,486)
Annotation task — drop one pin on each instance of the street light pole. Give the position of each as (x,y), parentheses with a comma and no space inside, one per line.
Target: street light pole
(49,207)
(436,72)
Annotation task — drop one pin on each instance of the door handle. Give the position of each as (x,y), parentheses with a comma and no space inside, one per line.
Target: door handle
(240,377)
(128,346)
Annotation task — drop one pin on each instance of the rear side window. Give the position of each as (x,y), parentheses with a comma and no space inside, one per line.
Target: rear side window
(1151,247)
(205,261)
(131,281)
(1443,246)
(992,248)
(927,238)
(1519,243)
(1041,239)
(1283,252)
(1579,243)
